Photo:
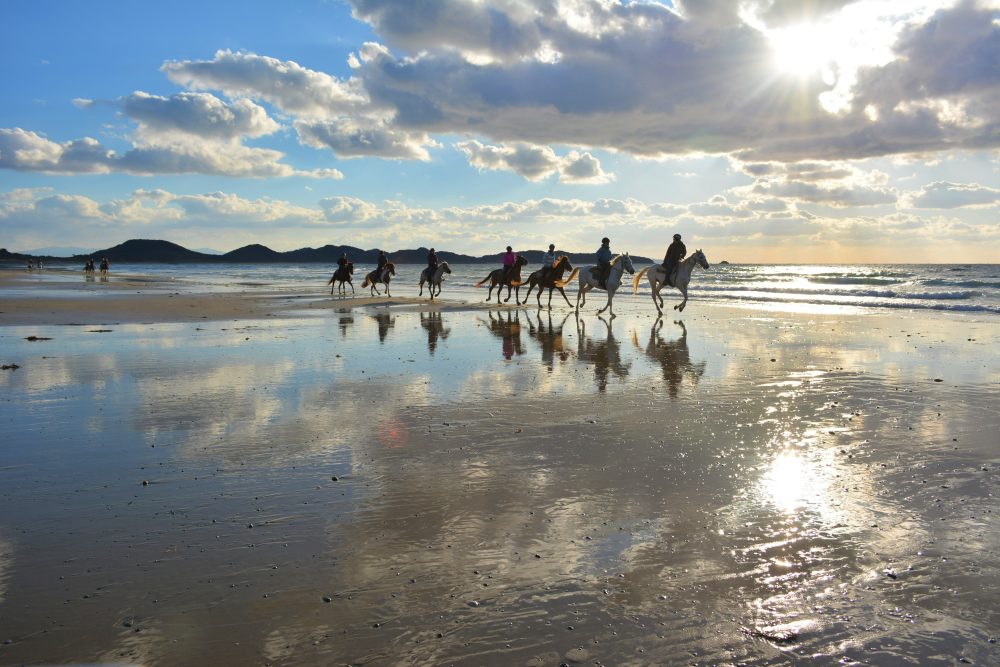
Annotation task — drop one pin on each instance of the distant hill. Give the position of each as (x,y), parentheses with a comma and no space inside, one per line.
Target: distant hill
(148,251)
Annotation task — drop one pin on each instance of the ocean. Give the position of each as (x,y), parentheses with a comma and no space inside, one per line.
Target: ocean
(965,288)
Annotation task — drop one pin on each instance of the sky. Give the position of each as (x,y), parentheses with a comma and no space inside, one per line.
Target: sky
(789,131)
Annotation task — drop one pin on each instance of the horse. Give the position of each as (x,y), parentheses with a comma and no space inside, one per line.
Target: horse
(658,278)
(588,281)
(435,280)
(605,355)
(342,275)
(552,281)
(496,279)
(373,278)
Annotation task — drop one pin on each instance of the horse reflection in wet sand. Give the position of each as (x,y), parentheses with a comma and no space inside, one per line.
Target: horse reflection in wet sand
(673,357)
(385,322)
(434,282)
(433,324)
(374,277)
(496,279)
(606,355)
(508,329)
(553,280)
(342,275)
(550,338)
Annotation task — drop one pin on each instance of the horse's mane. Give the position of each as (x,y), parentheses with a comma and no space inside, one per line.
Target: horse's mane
(614,260)
(390,265)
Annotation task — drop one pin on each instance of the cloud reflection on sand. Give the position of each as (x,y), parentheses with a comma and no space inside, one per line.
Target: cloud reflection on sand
(638,481)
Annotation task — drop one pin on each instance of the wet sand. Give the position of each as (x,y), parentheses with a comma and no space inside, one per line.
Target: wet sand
(351,483)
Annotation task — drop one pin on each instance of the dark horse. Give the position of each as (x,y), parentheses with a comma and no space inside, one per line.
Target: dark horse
(342,275)
(551,281)
(372,278)
(496,279)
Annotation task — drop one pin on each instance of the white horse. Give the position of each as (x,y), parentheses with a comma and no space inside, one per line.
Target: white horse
(619,265)
(658,278)
(435,280)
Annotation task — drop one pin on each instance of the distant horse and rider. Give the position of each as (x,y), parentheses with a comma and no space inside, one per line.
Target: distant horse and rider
(509,277)
(681,277)
(380,276)
(434,278)
(551,278)
(342,276)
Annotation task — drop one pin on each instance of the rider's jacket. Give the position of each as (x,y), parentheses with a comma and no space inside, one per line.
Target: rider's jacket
(509,258)
(549,259)
(604,254)
(675,252)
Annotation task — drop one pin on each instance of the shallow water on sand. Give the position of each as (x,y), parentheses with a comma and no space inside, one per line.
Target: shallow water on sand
(502,488)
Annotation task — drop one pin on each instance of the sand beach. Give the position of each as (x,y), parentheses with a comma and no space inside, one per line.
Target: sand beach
(278,477)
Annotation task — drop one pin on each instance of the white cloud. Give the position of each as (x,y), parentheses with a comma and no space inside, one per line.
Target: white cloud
(942,194)
(349,140)
(198,114)
(535,163)
(22,150)
(286,84)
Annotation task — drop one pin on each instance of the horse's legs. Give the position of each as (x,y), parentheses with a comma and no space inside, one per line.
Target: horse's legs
(563,292)
(550,298)
(680,307)
(611,296)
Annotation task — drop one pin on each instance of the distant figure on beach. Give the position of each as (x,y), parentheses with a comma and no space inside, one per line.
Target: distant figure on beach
(105,265)
(38,264)
(675,253)
(31,265)
(509,259)
(342,261)
(604,257)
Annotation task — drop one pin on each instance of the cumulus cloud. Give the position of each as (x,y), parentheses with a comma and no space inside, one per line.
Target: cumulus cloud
(284,83)
(829,183)
(642,78)
(198,114)
(22,150)
(942,194)
(347,139)
(535,163)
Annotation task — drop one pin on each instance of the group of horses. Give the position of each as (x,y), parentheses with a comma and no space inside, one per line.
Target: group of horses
(589,279)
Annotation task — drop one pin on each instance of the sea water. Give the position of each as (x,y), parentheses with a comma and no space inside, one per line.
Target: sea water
(972,288)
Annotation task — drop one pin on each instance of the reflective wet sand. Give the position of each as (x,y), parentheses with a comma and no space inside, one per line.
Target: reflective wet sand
(502,487)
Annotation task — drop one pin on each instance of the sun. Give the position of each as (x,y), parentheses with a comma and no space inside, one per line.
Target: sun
(801,50)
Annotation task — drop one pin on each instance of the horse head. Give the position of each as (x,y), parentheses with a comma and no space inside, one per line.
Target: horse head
(626,262)
(391,268)
(700,258)
(521,261)
(445,267)
(563,263)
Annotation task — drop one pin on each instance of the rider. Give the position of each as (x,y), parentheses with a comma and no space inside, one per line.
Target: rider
(548,260)
(342,264)
(509,260)
(675,253)
(604,258)
(383,259)
(432,263)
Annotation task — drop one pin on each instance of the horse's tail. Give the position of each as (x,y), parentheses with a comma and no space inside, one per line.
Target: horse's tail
(483,281)
(332,278)
(562,283)
(367,281)
(637,278)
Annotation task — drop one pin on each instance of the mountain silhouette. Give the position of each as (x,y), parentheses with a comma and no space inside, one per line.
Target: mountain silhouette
(151,251)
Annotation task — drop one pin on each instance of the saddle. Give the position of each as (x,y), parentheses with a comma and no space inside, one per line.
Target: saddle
(672,275)
(596,274)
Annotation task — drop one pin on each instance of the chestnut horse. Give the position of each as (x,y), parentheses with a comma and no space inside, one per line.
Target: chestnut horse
(373,278)
(553,280)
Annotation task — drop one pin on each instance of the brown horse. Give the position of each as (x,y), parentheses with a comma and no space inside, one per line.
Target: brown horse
(496,279)
(553,280)
(342,275)
(373,277)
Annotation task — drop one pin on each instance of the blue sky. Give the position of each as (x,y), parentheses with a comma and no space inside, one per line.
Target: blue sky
(762,131)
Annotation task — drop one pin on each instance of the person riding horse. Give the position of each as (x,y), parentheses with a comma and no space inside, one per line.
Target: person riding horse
(432,263)
(509,259)
(675,253)
(383,259)
(604,257)
(548,261)
(342,272)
